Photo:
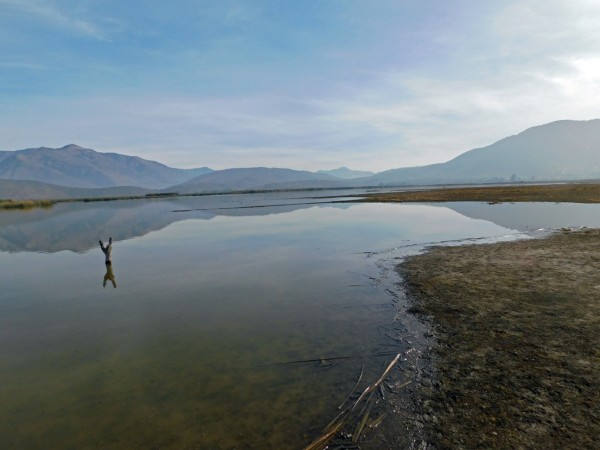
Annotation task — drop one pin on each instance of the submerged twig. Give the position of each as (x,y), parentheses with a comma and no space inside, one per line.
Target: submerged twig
(363,421)
(404,384)
(381,391)
(381,378)
(334,358)
(324,438)
(377,421)
(342,418)
(362,370)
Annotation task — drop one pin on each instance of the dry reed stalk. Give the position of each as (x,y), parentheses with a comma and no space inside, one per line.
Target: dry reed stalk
(322,440)
(362,423)
(336,424)
(362,370)
(377,421)
(378,382)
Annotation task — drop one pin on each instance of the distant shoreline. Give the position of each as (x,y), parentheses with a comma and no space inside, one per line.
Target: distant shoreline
(569,192)
(575,192)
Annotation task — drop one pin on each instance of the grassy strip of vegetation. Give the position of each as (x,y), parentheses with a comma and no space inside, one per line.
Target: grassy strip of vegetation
(14,204)
(574,192)
(26,204)
(517,359)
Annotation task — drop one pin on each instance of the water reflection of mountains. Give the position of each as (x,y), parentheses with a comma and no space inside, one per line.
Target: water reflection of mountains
(79,226)
(531,216)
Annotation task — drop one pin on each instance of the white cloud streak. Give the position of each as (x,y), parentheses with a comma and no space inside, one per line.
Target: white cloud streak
(55,16)
(532,63)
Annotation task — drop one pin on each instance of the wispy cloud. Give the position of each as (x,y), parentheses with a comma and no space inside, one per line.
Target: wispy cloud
(56,16)
(437,119)
(21,63)
(234,84)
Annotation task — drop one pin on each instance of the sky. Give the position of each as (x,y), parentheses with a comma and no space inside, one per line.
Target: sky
(303,84)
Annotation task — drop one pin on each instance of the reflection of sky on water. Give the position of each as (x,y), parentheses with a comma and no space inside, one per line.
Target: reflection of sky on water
(79,226)
(310,239)
(531,216)
(198,303)
(228,271)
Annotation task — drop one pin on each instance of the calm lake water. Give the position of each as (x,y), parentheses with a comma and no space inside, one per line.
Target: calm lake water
(212,299)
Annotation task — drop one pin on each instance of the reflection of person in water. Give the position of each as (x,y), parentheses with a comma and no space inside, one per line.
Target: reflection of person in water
(107,250)
(109,275)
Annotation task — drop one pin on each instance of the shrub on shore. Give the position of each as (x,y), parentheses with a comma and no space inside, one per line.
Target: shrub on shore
(26,204)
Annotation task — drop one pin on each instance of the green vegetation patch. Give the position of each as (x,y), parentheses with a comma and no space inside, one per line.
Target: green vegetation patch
(26,204)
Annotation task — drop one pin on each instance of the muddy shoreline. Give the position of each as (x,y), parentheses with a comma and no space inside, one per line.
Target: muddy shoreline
(517,328)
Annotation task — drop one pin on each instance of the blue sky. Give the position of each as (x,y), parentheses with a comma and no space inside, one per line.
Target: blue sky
(304,84)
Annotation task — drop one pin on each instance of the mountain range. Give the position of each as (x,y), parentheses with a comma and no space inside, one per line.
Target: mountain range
(25,189)
(347,174)
(257,178)
(75,166)
(562,150)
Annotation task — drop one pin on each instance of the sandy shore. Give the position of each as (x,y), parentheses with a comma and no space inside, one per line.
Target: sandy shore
(517,358)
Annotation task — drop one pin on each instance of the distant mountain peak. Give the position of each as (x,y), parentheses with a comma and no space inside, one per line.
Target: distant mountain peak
(73,146)
(76,166)
(560,150)
(346,174)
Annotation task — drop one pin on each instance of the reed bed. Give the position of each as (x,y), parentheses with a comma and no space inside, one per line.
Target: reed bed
(355,415)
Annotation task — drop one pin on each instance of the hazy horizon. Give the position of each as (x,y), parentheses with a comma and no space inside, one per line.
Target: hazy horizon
(307,86)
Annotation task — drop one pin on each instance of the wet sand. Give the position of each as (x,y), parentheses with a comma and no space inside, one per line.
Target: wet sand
(516,363)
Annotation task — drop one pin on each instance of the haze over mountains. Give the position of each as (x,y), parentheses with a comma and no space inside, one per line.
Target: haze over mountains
(257,178)
(25,189)
(75,166)
(563,150)
(347,174)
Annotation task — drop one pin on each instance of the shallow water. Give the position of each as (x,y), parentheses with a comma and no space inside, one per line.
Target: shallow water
(186,351)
